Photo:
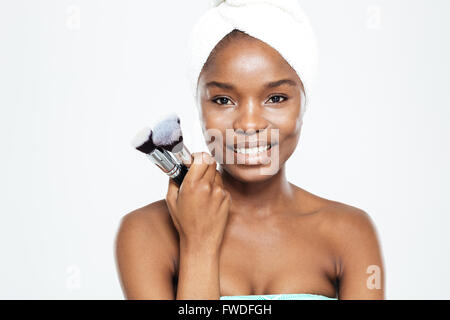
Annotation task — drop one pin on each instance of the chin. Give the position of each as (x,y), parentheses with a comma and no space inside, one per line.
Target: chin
(250,173)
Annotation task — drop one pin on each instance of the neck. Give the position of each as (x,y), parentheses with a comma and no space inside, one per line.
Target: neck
(261,197)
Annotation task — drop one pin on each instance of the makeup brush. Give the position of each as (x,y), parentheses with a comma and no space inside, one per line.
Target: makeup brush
(143,142)
(167,135)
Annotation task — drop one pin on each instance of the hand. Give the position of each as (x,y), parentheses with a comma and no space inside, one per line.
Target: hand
(199,208)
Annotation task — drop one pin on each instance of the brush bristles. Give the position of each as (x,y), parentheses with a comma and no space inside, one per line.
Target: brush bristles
(143,141)
(167,133)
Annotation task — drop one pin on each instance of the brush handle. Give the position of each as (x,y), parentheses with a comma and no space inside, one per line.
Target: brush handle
(179,170)
(182,173)
(169,165)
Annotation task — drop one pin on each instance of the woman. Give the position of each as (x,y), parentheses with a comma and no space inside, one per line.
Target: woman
(238,233)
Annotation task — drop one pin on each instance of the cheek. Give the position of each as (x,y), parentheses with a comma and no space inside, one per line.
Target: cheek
(216,118)
(289,127)
(289,124)
(288,121)
(214,124)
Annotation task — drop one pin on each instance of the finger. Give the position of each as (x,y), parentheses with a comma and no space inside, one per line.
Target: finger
(218,179)
(226,202)
(172,192)
(197,168)
(210,173)
(188,162)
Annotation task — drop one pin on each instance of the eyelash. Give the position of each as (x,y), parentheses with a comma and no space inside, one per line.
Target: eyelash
(278,95)
(217,98)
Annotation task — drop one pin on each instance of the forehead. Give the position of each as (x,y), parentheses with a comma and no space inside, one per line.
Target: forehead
(244,59)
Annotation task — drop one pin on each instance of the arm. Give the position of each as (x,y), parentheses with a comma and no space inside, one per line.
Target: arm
(143,261)
(361,270)
(145,264)
(199,273)
(192,219)
(199,210)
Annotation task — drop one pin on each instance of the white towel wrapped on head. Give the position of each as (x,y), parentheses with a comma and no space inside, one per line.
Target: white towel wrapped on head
(282,24)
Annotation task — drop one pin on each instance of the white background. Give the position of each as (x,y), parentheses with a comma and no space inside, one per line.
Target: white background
(79,78)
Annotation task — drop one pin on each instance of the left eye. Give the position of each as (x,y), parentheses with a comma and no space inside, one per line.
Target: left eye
(277,99)
(222,101)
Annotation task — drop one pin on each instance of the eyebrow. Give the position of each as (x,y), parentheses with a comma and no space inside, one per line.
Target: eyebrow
(221,85)
(281,82)
(274,84)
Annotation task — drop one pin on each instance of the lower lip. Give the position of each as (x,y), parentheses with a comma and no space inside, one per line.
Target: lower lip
(260,158)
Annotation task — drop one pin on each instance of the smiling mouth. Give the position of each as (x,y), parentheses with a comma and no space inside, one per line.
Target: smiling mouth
(250,151)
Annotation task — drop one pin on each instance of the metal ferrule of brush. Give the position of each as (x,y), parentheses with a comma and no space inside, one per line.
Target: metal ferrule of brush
(183,156)
(168,164)
(163,161)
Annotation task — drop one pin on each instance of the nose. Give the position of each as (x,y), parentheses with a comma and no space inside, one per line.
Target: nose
(249,119)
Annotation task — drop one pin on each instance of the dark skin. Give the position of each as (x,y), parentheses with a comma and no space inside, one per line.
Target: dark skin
(233,231)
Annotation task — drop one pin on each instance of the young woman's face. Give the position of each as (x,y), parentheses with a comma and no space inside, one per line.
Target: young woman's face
(249,89)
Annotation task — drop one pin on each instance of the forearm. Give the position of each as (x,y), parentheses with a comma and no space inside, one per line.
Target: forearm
(198,277)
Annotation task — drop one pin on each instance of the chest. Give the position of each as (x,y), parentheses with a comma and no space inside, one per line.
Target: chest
(275,257)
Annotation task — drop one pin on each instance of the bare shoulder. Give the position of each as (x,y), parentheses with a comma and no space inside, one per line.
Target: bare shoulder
(147,226)
(350,234)
(346,220)
(145,253)
(341,223)
(152,216)
(358,255)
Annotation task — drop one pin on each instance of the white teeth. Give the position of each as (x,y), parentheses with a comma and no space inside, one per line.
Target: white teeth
(254,150)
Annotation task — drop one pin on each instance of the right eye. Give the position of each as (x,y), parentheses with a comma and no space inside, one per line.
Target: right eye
(222,101)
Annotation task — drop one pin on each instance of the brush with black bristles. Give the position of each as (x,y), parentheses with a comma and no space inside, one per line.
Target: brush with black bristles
(143,142)
(167,135)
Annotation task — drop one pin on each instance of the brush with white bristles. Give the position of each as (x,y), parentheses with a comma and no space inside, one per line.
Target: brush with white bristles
(143,142)
(167,135)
